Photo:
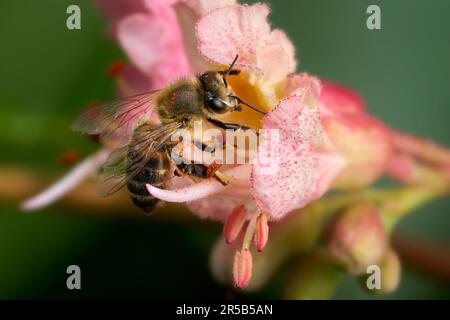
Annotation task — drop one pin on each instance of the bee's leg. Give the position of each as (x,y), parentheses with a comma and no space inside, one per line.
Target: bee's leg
(178,172)
(204,147)
(228,126)
(211,169)
(200,170)
(222,178)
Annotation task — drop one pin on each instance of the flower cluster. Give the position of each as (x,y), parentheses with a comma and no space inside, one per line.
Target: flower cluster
(329,139)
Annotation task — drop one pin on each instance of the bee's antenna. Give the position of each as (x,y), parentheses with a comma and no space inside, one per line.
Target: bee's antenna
(248,105)
(227,73)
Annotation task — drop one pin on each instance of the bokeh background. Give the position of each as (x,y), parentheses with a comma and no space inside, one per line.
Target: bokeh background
(48,74)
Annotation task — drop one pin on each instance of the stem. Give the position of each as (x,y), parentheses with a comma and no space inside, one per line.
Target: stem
(249,232)
(423,149)
(67,183)
(297,233)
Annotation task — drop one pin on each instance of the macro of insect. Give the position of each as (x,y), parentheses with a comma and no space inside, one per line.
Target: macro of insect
(143,149)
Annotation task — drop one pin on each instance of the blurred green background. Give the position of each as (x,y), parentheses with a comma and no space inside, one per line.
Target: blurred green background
(48,74)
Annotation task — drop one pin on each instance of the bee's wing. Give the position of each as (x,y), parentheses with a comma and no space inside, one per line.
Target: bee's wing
(118,169)
(117,120)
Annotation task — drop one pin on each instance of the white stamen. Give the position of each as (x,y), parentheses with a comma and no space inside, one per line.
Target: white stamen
(198,190)
(67,183)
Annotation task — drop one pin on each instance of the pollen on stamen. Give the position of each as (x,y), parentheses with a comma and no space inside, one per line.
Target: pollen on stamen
(234,224)
(242,268)
(262,232)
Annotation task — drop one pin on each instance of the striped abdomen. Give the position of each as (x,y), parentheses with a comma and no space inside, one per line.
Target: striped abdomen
(155,172)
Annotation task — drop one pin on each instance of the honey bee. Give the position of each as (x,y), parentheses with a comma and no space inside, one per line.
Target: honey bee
(143,153)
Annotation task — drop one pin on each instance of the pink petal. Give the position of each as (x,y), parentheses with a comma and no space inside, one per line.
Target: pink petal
(197,190)
(117,9)
(191,193)
(303,82)
(132,82)
(364,142)
(245,31)
(303,174)
(330,166)
(242,28)
(279,37)
(341,99)
(281,50)
(188,12)
(202,7)
(154,45)
(67,183)
(425,150)
(216,207)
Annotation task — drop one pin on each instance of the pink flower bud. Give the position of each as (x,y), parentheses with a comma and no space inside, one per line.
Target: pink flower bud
(357,238)
(262,232)
(363,141)
(234,224)
(242,268)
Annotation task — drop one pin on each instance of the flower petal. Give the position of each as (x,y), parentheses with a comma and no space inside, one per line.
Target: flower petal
(202,7)
(188,12)
(340,98)
(302,172)
(67,183)
(281,50)
(191,193)
(132,82)
(364,142)
(198,190)
(118,9)
(228,31)
(154,45)
(302,82)
(244,30)
(216,207)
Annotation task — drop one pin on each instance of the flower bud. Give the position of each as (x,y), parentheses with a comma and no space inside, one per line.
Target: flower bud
(242,268)
(363,141)
(357,237)
(313,276)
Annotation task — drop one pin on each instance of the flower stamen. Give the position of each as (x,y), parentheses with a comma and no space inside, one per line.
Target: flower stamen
(234,224)
(262,232)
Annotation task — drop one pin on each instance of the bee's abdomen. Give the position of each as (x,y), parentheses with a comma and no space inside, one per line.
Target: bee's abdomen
(155,172)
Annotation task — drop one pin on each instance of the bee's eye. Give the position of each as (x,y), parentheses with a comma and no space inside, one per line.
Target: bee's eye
(215,104)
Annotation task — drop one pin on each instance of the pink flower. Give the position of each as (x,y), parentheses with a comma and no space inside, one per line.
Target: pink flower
(307,166)
(362,140)
(149,33)
(328,139)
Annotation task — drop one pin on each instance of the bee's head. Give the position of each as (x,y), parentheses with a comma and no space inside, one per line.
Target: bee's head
(218,96)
